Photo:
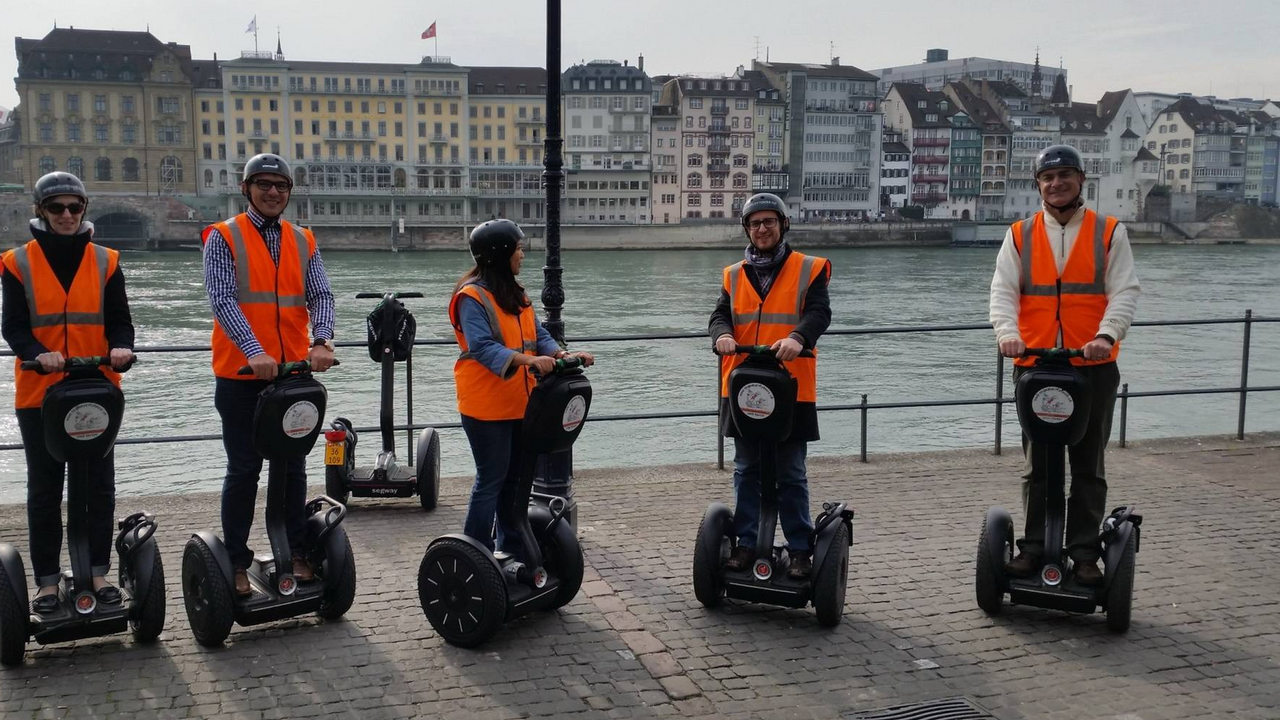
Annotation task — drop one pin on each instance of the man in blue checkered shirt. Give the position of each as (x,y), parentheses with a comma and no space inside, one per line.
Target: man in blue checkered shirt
(266,284)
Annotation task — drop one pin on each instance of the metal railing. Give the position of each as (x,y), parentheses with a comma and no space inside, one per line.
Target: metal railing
(863,406)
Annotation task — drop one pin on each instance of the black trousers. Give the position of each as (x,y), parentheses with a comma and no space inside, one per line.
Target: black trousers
(46,478)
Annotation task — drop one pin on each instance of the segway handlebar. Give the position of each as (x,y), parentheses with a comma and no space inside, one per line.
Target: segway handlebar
(1052,353)
(568,363)
(285,368)
(761,350)
(397,295)
(74,363)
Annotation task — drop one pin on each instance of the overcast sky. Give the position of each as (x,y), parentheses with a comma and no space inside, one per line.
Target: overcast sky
(1227,47)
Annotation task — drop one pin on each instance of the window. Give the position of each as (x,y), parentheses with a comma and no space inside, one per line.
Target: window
(102,169)
(129,133)
(693,180)
(46,102)
(47,165)
(73,102)
(100,132)
(740,104)
(75,166)
(130,166)
(73,131)
(100,103)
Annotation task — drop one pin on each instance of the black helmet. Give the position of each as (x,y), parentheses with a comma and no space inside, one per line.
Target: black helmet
(765,201)
(1058,156)
(493,241)
(266,163)
(59,183)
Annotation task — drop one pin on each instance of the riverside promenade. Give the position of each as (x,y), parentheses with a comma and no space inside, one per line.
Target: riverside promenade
(1205,639)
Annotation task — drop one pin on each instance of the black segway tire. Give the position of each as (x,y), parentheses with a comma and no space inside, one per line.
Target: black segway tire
(1120,593)
(461,592)
(339,592)
(427,464)
(710,554)
(13,622)
(210,607)
(995,549)
(832,579)
(563,557)
(147,619)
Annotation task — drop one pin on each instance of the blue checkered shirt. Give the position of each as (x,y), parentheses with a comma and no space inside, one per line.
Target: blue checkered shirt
(220,282)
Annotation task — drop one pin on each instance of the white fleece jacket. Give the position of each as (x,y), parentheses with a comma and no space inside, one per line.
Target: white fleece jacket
(1121,280)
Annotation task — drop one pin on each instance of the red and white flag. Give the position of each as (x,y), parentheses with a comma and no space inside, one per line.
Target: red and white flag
(430,32)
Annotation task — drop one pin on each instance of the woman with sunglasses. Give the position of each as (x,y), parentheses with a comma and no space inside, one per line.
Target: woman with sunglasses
(63,297)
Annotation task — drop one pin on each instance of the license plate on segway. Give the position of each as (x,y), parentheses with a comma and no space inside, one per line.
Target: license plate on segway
(335,453)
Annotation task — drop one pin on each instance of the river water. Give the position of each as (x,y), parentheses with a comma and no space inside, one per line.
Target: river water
(666,291)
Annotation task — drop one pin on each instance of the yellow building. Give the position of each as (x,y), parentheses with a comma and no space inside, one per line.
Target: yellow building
(113,108)
(507,125)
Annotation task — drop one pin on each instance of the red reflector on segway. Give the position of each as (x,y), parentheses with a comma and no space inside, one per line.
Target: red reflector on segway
(335,435)
(763,570)
(85,603)
(1051,575)
(287,585)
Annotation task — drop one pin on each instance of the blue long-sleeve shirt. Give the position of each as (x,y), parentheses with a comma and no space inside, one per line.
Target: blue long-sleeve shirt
(220,283)
(488,350)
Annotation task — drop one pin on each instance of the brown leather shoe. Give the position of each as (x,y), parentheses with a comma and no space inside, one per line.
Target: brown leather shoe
(243,589)
(741,558)
(801,565)
(302,569)
(1024,565)
(1087,572)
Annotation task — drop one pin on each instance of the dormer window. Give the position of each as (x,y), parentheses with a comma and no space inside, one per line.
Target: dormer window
(922,104)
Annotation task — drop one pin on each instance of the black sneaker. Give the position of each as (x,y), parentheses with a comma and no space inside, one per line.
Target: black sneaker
(740,558)
(801,565)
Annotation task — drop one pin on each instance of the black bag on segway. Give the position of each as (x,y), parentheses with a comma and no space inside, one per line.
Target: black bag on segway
(405,327)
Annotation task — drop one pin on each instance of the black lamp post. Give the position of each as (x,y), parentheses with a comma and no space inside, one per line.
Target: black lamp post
(554,473)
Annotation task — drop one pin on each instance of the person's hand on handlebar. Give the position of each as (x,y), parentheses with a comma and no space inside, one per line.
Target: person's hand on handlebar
(120,358)
(51,361)
(1096,349)
(725,344)
(1013,347)
(786,349)
(543,364)
(320,358)
(264,366)
(587,358)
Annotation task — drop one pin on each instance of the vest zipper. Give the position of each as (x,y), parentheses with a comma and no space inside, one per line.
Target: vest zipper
(759,315)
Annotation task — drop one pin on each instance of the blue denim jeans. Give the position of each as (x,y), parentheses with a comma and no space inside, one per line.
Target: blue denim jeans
(793,493)
(495,445)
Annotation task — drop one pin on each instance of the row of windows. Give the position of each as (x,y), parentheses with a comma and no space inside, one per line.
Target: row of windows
(102,104)
(861,158)
(638,103)
(694,180)
(718,125)
(862,139)
(851,87)
(609,185)
(827,197)
(608,202)
(695,160)
(713,199)
(860,122)
(170,166)
(166,134)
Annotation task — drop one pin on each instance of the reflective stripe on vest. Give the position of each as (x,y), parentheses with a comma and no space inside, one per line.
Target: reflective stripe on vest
(1097,287)
(23,261)
(806,278)
(482,394)
(495,329)
(243,293)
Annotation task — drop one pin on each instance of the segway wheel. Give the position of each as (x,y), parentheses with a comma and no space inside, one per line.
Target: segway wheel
(563,557)
(710,554)
(13,619)
(340,591)
(461,591)
(206,594)
(427,463)
(995,549)
(1120,593)
(147,617)
(832,579)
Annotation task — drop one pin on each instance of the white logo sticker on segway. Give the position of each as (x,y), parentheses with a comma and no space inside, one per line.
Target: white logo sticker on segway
(300,419)
(574,412)
(86,421)
(756,401)
(1052,404)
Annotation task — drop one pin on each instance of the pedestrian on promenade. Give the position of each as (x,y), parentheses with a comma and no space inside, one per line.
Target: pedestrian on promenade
(502,345)
(63,296)
(1065,278)
(265,281)
(776,297)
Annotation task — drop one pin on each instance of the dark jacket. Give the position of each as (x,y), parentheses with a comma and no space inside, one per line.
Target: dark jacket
(814,320)
(65,255)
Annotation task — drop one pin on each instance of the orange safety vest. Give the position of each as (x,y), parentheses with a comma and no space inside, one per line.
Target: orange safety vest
(757,322)
(71,323)
(272,297)
(482,394)
(1073,302)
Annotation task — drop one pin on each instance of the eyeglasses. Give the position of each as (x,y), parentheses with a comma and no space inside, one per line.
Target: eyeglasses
(770,223)
(282,186)
(56,208)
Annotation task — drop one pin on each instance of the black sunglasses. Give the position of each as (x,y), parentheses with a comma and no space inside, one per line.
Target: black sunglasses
(57,208)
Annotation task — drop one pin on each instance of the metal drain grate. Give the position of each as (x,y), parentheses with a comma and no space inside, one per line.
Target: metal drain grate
(947,709)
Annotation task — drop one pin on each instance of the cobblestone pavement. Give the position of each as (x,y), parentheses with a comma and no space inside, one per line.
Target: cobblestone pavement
(1205,640)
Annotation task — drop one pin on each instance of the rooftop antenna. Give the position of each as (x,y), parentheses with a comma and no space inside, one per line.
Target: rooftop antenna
(832,54)
(757,46)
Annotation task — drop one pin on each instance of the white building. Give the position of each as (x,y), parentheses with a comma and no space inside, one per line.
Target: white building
(1119,170)
(938,70)
(895,171)
(607,143)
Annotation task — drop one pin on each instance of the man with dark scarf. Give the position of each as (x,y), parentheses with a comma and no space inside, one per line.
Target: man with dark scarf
(776,297)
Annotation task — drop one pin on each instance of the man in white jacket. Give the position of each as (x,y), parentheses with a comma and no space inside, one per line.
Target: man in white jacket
(1065,278)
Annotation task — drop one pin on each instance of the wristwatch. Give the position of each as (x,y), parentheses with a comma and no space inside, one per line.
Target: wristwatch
(327,344)
(1104,336)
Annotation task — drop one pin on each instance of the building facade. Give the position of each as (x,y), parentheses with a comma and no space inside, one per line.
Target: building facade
(923,118)
(895,171)
(608,145)
(939,69)
(1202,149)
(717,134)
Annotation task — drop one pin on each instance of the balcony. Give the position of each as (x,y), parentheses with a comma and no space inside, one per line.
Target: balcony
(350,135)
(923,159)
(534,120)
(258,134)
(719,110)
(931,142)
(776,183)
(629,109)
(928,178)
(438,138)
(718,130)
(530,142)
(718,149)
(437,92)
(928,197)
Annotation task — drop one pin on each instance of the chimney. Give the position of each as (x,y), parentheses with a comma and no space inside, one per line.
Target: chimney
(835,60)
(640,62)
(1071,91)
(625,62)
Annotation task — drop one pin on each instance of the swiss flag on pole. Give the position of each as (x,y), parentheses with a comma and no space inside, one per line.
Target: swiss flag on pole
(430,32)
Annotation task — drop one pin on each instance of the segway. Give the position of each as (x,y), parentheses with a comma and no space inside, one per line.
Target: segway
(286,424)
(391,332)
(1053,404)
(468,592)
(762,397)
(81,416)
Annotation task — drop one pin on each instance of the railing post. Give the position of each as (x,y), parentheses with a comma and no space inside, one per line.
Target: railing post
(1124,410)
(719,422)
(999,398)
(1244,372)
(863,443)
(408,404)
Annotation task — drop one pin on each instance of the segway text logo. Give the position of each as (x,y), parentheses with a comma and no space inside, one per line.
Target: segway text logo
(1052,404)
(756,401)
(86,421)
(574,412)
(300,419)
